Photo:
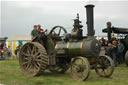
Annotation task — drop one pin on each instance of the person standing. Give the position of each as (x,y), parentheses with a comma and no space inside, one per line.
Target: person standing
(109,31)
(109,50)
(103,41)
(5,51)
(35,32)
(17,51)
(114,52)
(9,51)
(120,50)
(2,51)
(1,55)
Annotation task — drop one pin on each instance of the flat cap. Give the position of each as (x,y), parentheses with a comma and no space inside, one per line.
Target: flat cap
(109,23)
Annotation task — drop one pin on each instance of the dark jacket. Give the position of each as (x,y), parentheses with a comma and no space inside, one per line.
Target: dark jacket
(120,47)
(114,49)
(109,31)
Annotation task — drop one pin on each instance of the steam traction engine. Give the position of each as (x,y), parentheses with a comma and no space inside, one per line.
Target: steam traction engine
(58,52)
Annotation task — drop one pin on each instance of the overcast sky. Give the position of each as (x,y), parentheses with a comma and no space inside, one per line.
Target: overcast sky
(18,17)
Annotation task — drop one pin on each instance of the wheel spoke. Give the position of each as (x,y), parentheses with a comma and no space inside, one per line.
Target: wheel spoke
(29,49)
(25,63)
(28,66)
(35,69)
(33,50)
(36,55)
(25,54)
(59,31)
(36,65)
(39,57)
(38,60)
(26,58)
(28,52)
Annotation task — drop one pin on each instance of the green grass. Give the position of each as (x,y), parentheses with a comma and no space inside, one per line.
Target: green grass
(10,74)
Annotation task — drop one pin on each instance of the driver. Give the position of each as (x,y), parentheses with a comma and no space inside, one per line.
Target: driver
(41,31)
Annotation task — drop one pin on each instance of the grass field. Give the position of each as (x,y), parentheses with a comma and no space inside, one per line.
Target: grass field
(10,74)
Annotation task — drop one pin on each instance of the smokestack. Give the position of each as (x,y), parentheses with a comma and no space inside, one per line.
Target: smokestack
(90,21)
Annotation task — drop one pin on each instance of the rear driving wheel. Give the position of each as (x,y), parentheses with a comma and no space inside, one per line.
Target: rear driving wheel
(33,59)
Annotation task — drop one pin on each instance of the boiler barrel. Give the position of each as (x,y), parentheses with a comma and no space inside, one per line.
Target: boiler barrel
(85,48)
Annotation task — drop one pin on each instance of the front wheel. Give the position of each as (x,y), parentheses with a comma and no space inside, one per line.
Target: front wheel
(80,68)
(104,66)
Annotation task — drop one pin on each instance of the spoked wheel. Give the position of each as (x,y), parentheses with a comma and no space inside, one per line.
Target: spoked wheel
(59,69)
(104,66)
(80,68)
(33,59)
(58,30)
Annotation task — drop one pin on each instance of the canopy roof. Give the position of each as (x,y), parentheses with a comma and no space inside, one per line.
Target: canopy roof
(3,38)
(117,30)
(19,37)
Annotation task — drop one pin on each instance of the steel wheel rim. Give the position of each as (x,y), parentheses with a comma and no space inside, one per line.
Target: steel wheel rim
(30,59)
(80,69)
(105,66)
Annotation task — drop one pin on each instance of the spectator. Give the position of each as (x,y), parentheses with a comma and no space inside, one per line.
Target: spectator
(1,52)
(2,46)
(9,51)
(114,51)
(105,45)
(5,50)
(103,41)
(120,49)
(109,31)
(17,51)
(109,50)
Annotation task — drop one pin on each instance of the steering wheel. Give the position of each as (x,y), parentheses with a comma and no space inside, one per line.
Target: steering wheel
(57,34)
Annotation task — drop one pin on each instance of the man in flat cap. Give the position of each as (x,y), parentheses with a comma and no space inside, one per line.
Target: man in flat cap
(109,31)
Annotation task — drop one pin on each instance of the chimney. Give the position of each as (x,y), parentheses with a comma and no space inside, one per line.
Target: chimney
(90,21)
